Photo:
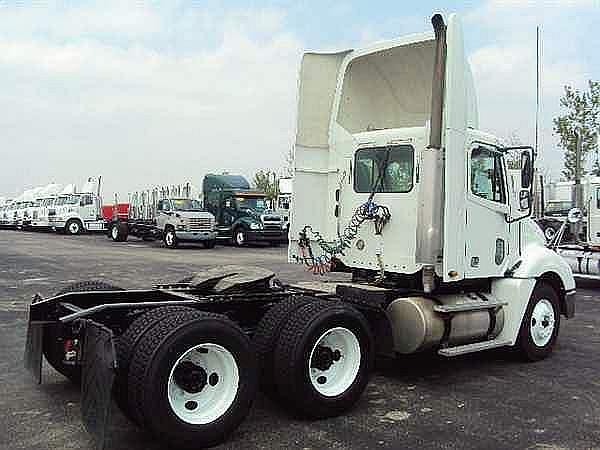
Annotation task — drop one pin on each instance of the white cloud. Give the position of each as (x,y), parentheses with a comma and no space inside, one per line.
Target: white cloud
(142,113)
(505,66)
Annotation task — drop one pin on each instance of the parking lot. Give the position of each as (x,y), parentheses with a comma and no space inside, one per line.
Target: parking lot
(488,400)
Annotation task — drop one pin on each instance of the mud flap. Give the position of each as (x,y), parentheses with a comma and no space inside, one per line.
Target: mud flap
(98,375)
(33,350)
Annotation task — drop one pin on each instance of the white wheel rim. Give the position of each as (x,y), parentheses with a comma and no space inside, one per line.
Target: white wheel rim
(334,375)
(542,323)
(169,238)
(239,237)
(218,392)
(115,232)
(74,227)
(549,233)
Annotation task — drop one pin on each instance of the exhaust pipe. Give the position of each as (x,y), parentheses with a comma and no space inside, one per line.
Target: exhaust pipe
(439,75)
(429,232)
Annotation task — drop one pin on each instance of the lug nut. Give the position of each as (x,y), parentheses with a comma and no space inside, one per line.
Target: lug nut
(322,380)
(191,405)
(213,379)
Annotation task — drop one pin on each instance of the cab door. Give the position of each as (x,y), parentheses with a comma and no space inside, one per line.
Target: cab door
(163,212)
(593,225)
(88,211)
(487,230)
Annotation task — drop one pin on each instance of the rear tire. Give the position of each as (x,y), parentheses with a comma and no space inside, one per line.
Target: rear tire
(53,343)
(217,379)
(126,344)
(323,357)
(540,325)
(118,231)
(266,336)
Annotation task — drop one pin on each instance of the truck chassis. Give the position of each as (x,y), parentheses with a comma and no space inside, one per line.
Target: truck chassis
(233,328)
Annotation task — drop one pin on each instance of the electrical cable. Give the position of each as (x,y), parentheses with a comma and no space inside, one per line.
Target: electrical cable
(379,214)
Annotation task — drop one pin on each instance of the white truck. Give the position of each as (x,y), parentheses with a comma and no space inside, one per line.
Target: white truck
(582,255)
(394,183)
(170,213)
(44,203)
(559,198)
(75,212)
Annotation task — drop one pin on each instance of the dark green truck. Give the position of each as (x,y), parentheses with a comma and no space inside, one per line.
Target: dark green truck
(243,215)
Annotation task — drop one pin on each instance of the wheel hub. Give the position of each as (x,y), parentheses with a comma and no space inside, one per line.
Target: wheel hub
(542,323)
(334,362)
(190,377)
(324,357)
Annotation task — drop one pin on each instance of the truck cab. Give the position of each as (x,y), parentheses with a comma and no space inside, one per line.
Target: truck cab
(395,183)
(184,220)
(75,212)
(243,215)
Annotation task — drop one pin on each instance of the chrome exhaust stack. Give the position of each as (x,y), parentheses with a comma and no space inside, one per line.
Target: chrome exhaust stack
(431,197)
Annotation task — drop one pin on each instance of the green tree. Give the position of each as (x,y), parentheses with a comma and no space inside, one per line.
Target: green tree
(581,116)
(267,182)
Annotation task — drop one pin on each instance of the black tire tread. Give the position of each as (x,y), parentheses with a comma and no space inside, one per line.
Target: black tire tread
(143,356)
(53,353)
(289,338)
(126,344)
(266,336)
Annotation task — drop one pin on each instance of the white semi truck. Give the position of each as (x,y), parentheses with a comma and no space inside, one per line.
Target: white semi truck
(393,183)
(171,213)
(582,255)
(44,203)
(76,212)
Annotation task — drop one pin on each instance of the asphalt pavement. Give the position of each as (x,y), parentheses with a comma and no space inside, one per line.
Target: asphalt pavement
(489,400)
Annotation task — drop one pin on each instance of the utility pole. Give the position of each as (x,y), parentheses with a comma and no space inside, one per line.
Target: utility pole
(578,191)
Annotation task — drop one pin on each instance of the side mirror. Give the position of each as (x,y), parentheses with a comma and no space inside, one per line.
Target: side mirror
(526,170)
(524,199)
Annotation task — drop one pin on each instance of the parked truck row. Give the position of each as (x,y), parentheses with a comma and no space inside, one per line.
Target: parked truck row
(226,210)
(395,184)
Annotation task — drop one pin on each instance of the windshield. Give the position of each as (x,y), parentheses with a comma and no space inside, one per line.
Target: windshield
(186,204)
(254,203)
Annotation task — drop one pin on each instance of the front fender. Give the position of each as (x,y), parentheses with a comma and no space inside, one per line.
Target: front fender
(538,261)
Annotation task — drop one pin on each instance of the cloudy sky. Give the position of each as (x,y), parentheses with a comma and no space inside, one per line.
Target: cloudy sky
(146,92)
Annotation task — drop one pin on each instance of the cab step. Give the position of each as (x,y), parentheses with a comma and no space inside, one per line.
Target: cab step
(472,348)
(470,306)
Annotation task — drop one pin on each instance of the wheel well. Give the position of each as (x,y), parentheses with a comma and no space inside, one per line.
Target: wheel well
(554,280)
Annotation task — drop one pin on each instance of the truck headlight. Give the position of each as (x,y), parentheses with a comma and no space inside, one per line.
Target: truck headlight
(180,227)
(255,226)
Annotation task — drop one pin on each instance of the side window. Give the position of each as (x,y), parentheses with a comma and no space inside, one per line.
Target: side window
(86,200)
(486,175)
(166,205)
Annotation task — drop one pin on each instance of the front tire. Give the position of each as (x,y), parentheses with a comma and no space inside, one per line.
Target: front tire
(170,238)
(209,244)
(73,227)
(540,325)
(239,237)
(192,379)
(322,359)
